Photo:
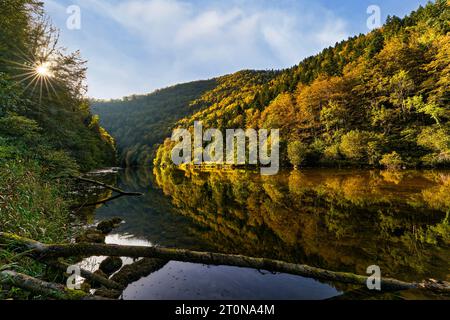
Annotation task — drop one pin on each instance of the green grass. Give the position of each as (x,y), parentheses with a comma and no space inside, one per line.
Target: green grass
(32,206)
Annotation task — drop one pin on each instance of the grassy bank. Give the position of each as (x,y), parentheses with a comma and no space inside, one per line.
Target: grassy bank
(31,206)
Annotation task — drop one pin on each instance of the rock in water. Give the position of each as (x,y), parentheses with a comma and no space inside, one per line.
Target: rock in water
(109,225)
(111,265)
(91,236)
(142,268)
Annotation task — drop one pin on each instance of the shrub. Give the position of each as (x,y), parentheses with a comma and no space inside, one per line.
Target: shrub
(18,126)
(10,100)
(392,161)
(58,164)
(332,152)
(353,145)
(437,140)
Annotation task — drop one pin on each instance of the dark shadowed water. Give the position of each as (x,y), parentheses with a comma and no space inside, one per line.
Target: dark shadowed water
(341,220)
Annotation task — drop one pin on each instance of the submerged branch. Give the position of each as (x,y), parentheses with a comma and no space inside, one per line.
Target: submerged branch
(86,249)
(104,201)
(107,186)
(94,204)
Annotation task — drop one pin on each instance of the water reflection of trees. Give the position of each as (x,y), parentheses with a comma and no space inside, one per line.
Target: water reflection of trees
(335,220)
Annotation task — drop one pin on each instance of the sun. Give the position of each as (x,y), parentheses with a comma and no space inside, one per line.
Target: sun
(43,70)
(37,74)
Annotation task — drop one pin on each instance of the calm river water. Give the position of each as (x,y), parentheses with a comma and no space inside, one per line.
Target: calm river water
(341,220)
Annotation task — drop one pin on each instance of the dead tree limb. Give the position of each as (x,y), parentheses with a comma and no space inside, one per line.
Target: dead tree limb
(107,283)
(47,289)
(87,249)
(107,186)
(135,271)
(93,204)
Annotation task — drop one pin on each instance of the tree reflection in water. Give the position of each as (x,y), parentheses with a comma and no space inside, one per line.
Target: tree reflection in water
(341,220)
(337,220)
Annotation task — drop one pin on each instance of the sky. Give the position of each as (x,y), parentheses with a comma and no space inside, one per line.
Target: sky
(138,46)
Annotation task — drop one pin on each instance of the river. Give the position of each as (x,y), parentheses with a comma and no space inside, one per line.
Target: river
(340,220)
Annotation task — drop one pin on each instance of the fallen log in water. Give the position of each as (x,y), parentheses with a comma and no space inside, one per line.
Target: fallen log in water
(135,271)
(43,251)
(47,289)
(107,283)
(107,186)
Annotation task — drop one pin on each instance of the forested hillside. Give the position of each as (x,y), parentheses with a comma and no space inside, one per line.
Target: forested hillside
(141,123)
(375,99)
(380,99)
(42,87)
(47,132)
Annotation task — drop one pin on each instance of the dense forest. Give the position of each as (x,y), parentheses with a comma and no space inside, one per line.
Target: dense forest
(153,115)
(47,132)
(141,123)
(380,99)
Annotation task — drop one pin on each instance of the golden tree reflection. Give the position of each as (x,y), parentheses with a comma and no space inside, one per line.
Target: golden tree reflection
(337,220)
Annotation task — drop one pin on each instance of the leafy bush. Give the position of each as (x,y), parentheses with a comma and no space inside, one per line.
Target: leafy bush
(18,126)
(10,100)
(57,163)
(392,161)
(437,140)
(332,153)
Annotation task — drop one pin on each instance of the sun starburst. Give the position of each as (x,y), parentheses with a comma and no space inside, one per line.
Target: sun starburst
(37,75)
(44,70)
(36,72)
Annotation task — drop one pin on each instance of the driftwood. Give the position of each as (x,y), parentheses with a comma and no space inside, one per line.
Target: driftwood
(47,289)
(107,283)
(135,271)
(107,186)
(105,202)
(43,251)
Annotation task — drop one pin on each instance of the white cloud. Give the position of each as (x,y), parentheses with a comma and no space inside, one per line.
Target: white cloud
(184,41)
(181,26)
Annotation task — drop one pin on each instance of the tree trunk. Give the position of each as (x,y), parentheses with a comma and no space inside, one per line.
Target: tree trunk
(43,251)
(47,289)
(107,283)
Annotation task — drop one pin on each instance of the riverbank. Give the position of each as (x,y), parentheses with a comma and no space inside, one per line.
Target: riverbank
(33,206)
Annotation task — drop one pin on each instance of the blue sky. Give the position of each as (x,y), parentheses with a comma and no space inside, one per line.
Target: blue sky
(137,46)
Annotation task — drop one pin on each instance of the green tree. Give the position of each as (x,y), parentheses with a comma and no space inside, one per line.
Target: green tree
(401,85)
(360,146)
(297,152)
(333,116)
(431,108)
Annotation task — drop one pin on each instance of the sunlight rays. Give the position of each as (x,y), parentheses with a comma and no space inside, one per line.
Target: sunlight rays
(35,74)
